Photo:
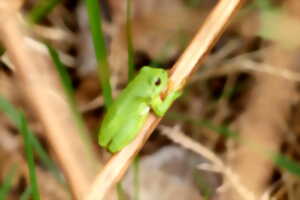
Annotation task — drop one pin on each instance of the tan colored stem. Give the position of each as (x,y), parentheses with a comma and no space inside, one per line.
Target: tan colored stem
(182,70)
(39,83)
(263,124)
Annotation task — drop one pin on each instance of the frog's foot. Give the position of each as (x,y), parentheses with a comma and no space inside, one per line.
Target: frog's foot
(120,141)
(104,140)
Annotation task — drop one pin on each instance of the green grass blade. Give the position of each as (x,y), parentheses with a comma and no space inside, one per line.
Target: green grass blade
(29,157)
(286,163)
(10,111)
(130,50)
(41,9)
(26,194)
(221,129)
(193,3)
(95,22)
(2,50)
(6,186)
(264,4)
(14,115)
(63,74)
(136,182)
(69,90)
(205,189)
(45,158)
(18,118)
(120,192)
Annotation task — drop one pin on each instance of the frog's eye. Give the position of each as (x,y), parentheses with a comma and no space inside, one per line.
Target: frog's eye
(157,82)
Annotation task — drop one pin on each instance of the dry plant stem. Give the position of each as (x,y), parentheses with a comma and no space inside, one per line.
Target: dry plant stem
(204,41)
(40,85)
(264,120)
(263,123)
(246,65)
(182,70)
(177,136)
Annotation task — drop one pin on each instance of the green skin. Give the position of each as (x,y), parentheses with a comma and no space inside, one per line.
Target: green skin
(127,114)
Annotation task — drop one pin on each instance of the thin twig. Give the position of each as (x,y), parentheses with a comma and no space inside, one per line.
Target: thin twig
(239,65)
(181,71)
(216,163)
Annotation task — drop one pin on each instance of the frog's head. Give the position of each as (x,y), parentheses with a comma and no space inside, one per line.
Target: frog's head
(157,78)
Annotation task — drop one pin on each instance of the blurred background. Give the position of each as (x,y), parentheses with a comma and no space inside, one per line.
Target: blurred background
(242,105)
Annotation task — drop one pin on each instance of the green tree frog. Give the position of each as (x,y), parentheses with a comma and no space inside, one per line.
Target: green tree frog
(127,114)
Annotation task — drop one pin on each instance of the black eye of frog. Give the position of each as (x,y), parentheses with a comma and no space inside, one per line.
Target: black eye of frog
(158,82)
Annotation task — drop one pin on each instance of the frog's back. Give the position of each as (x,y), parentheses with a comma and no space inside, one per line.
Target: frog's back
(126,112)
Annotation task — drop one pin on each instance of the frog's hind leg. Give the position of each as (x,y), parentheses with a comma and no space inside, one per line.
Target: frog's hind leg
(106,134)
(129,132)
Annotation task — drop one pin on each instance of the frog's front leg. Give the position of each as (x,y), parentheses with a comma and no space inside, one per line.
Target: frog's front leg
(160,106)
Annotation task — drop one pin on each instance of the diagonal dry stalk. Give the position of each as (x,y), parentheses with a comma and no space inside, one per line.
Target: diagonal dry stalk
(39,84)
(181,72)
(263,123)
